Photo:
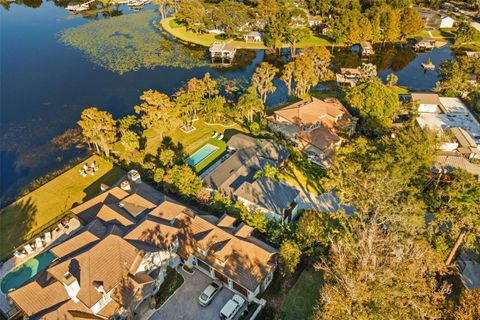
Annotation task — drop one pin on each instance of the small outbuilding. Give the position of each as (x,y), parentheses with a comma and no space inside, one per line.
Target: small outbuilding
(366,48)
(253,36)
(446,22)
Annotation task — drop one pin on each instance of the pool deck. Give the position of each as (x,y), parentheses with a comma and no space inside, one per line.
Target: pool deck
(12,263)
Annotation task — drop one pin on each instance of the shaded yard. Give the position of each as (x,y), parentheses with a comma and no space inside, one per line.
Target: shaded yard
(31,214)
(300,301)
(308,179)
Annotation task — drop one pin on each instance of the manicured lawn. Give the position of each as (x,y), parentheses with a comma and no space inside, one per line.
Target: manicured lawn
(300,301)
(23,219)
(191,142)
(173,280)
(206,40)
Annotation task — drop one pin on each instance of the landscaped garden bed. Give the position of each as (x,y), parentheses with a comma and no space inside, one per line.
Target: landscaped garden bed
(173,280)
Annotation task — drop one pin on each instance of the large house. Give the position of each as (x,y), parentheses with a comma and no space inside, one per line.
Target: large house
(235,177)
(118,259)
(451,119)
(314,125)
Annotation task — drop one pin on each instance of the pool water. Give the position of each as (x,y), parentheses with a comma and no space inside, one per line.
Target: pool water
(201,154)
(26,271)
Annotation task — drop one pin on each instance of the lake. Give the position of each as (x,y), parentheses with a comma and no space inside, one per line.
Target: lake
(54,64)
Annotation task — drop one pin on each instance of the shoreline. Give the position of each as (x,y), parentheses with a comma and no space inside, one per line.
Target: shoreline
(207,39)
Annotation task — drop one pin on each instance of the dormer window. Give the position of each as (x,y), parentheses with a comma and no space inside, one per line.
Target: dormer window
(202,252)
(220,262)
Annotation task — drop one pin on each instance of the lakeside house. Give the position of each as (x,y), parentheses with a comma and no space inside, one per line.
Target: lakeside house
(222,51)
(422,44)
(450,117)
(253,36)
(235,177)
(314,126)
(118,260)
(348,77)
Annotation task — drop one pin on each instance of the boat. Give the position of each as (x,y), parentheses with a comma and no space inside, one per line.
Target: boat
(428,65)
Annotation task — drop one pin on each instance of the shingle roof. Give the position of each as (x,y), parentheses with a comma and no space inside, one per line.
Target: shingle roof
(313,110)
(247,263)
(463,137)
(426,98)
(448,162)
(275,196)
(251,155)
(109,261)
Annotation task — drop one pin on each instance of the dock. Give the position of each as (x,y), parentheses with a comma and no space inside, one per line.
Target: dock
(223,52)
(79,7)
(366,49)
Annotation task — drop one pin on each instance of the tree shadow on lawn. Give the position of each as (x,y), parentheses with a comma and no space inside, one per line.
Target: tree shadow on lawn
(16,223)
(111,177)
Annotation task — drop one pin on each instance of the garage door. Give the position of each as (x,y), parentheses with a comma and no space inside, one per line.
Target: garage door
(221,277)
(240,289)
(203,265)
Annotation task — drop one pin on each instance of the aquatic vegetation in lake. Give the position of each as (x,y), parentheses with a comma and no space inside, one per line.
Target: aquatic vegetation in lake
(129,43)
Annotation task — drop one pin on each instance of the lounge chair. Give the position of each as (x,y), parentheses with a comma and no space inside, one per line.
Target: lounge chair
(221,137)
(19,254)
(48,237)
(28,248)
(38,243)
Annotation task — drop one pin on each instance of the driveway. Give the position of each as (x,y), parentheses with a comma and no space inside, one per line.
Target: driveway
(183,305)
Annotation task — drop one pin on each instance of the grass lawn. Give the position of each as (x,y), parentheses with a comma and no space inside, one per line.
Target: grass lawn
(300,301)
(191,142)
(306,178)
(31,214)
(180,32)
(173,280)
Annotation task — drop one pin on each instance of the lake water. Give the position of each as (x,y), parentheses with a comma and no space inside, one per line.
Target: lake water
(45,84)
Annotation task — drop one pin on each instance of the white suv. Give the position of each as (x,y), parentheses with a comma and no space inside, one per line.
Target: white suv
(231,308)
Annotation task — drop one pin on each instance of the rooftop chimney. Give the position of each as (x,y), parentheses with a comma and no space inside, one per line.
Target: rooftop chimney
(71,285)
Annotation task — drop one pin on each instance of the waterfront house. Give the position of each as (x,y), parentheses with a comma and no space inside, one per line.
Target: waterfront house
(366,49)
(253,36)
(422,44)
(348,77)
(314,126)
(118,260)
(222,51)
(235,177)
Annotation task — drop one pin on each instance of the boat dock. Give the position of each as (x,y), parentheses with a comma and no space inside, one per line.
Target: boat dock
(222,51)
(79,7)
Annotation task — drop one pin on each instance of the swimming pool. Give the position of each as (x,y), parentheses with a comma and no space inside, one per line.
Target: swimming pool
(201,154)
(26,271)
